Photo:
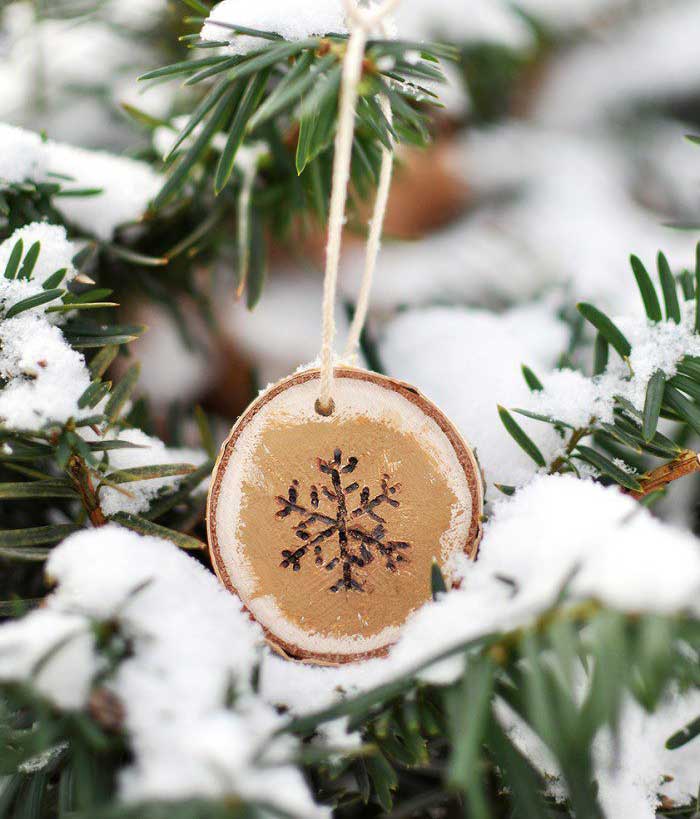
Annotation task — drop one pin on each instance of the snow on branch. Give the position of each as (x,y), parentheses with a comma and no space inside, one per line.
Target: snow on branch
(560,414)
(293,20)
(558,537)
(484,20)
(146,452)
(57,251)
(633,767)
(575,398)
(195,727)
(45,376)
(191,645)
(120,188)
(48,250)
(46,379)
(22,155)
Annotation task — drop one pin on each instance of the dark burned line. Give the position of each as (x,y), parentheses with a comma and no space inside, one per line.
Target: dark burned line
(345,525)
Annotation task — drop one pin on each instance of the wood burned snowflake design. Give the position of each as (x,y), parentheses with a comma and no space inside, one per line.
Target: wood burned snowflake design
(334,526)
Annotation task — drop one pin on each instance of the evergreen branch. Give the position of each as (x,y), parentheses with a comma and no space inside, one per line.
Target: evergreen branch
(531,668)
(499,648)
(77,448)
(296,70)
(620,449)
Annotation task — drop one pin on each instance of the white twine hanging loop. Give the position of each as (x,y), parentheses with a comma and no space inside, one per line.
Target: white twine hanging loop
(362,23)
(373,241)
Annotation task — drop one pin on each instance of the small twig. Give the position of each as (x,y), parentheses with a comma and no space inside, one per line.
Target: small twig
(576,437)
(687,463)
(79,474)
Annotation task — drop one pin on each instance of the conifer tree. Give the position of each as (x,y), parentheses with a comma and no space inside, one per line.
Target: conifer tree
(561,679)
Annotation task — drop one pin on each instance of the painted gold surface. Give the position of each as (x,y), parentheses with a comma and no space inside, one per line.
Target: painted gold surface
(388,587)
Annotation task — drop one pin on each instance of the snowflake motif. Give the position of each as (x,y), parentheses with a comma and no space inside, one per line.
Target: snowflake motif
(347,529)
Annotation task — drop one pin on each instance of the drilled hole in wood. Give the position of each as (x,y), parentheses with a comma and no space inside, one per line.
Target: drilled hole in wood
(325,411)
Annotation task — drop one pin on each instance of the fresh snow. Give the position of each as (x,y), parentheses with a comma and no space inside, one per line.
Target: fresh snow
(575,398)
(556,532)
(601,71)
(64,676)
(480,358)
(578,400)
(21,155)
(630,776)
(126,186)
(136,496)
(284,330)
(45,376)
(294,20)
(633,767)
(612,554)
(195,725)
(492,21)
(56,253)
(483,20)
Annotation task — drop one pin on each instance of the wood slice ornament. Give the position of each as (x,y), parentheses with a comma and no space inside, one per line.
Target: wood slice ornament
(327,526)
(338,488)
